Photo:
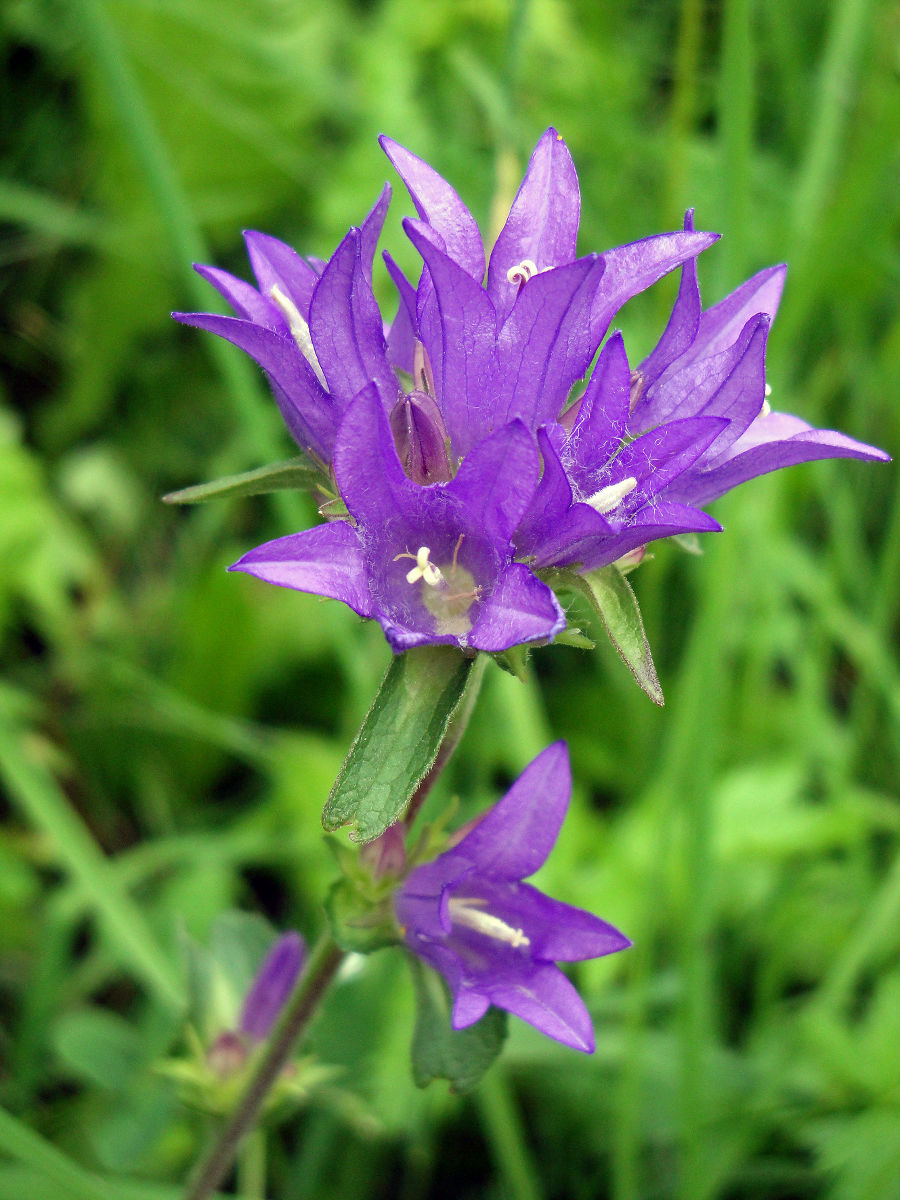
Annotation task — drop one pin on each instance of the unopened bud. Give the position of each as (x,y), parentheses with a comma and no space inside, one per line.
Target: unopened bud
(273,984)
(386,855)
(421,438)
(227,1055)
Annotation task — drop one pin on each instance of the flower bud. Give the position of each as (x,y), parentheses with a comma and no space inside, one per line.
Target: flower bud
(273,984)
(386,855)
(227,1055)
(421,438)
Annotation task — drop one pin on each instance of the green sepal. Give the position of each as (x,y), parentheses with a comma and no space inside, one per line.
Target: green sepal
(360,907)
(610,597)
(574,637)
(398,741)
(460,1056)
(689,542)
(514,661)
(291,475)
(359,922)
(200,1086)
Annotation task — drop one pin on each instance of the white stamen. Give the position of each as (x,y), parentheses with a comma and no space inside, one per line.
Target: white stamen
(766,407)
(610,496)
(424,568)
(299,330)
(522,271)
(467,912)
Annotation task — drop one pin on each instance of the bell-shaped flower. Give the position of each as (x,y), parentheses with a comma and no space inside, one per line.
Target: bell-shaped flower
(315,328)
(495,939)
(431,563)
(635,455)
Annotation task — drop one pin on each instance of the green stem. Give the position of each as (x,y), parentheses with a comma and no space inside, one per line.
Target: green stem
(251,1166)
(506,1137)
(298,1012)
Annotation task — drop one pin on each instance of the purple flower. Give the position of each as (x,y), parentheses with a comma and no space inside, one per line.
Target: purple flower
(632,458)
(432,564)
(313,327)
(274,982)
(495,939)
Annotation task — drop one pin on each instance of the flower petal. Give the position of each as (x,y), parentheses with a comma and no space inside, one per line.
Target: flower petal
(552,520)
(684,321)
(326,560)
(437,203)
(367,467)
(497,479)
(401,340)
(518,833)
(275,264)
(721,324)
(542,226)
(633,267)
(771,442)
(458,328)
(602,420)
(346,327)
(519,609)
(543,996)
(658,520)
(469,1006)
(308,411)
(546,343)
(556,932)
(244,298)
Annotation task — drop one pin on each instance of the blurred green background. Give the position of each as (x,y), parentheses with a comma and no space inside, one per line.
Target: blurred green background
(168,733)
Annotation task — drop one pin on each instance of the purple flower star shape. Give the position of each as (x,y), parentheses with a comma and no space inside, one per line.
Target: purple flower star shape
(630,461)
(432,564)
(495,939)
(314,328)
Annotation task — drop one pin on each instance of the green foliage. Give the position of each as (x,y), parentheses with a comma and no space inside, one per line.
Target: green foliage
(170,733)
(441,1052)
(398,742)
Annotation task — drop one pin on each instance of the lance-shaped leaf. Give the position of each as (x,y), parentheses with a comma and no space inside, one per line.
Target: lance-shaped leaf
(291,475)
(611,597)
(399,740)
(440,1052)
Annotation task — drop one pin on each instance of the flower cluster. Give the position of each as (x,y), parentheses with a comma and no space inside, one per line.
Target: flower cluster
(463,466)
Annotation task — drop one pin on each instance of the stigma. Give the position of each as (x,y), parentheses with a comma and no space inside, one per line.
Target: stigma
(612,495)
(470,913)
(522,272)
(424,568)
(299,330)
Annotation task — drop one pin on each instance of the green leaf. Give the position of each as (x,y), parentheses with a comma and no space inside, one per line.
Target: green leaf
(289,475)
(612,599)
(440,1052)
(399,740)
(98,1047)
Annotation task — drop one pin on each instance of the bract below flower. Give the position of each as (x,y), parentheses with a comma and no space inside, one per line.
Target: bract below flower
(495,939)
